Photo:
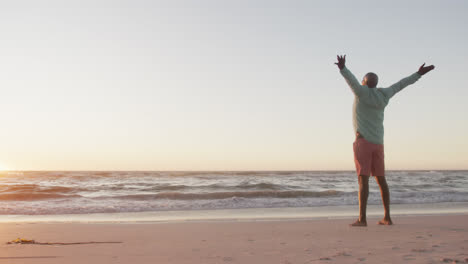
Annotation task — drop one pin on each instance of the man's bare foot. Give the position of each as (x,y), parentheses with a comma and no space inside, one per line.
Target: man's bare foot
(359,223)
(385,222)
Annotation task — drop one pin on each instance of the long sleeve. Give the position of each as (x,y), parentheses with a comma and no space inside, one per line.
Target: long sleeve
(356,87)
(395,88)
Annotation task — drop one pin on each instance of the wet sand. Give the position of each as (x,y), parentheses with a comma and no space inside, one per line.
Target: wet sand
(413,239)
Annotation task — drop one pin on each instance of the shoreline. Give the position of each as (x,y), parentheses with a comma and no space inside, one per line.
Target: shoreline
(245,214)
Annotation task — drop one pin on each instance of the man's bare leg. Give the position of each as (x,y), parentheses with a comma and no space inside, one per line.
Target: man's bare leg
(363,195)
(382,182)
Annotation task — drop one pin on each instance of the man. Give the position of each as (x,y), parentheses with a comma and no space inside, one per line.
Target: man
(368,117)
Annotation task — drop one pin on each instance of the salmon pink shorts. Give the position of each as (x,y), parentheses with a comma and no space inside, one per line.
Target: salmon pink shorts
(369,158)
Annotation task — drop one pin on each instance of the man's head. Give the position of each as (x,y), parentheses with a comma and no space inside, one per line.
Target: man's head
(371,79)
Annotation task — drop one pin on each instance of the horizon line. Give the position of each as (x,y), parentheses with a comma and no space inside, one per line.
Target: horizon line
(3,171)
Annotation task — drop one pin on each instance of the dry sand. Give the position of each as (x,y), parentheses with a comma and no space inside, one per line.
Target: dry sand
(415,239)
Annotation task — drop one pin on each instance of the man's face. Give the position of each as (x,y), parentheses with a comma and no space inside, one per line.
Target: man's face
(371,79)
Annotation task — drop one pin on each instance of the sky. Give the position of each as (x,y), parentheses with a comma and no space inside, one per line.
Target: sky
(226,85)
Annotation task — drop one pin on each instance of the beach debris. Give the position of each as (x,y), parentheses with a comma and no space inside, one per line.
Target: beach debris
(32,241)
(22,241)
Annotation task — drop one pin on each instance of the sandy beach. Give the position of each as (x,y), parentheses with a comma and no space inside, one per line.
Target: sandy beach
(413,239)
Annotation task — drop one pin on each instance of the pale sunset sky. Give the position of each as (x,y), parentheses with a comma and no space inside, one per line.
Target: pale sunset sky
(226,85)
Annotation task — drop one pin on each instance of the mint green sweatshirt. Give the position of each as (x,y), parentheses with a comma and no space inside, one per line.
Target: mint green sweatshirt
(370,103)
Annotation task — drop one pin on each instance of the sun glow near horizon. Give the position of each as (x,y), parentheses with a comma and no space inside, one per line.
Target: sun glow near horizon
(3,168)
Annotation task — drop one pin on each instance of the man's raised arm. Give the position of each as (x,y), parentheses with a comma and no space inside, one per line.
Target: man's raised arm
(395,88)
(348,75)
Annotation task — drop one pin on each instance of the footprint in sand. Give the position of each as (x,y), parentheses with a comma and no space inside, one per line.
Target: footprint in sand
(361,259)
(408,257)
(421,250)
(228,259)
(344,254)
(449,260)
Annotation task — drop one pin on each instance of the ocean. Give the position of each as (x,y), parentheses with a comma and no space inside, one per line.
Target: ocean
(88,192)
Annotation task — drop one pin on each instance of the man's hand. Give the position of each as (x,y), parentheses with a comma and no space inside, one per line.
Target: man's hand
(341,61)
(423,70)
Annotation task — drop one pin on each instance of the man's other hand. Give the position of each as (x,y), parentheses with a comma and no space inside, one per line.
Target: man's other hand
(341,61)
(423,70)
